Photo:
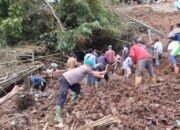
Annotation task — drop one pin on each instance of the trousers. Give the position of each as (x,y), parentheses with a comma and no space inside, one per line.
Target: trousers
(64,86)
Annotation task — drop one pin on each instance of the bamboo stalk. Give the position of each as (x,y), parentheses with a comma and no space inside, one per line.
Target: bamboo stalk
(39,57)
(104,121)
(18,76)
(45,127)
(54,14)
(139,22)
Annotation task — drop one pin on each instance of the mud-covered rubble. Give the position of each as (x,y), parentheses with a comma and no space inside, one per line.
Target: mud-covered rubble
(160,20)
(137,109)
(148,107)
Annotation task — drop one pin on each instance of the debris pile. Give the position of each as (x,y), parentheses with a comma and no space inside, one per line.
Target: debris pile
(159,20)
(24,102)
(148,107)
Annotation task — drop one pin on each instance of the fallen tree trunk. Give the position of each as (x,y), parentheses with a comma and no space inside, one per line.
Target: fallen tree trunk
(15,90)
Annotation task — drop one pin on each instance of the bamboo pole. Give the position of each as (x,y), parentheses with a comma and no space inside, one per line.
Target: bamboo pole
(116,12)
(58,20)
(33,57)
(104,121)
(149,35)
(36,58)
(46,126)
(18,77)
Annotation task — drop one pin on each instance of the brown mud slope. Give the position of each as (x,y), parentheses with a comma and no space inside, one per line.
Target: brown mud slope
(159,20)
(148,107)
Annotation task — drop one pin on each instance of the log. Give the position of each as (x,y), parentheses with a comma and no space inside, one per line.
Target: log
(15,90)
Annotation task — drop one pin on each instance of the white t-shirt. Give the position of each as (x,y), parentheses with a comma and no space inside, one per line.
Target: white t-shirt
(127,63)
(173,47)
(159,47)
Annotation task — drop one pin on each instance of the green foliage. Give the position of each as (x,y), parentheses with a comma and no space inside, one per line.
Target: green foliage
(84,19)
(85,22)
(4,4)
(12,26)
(2,39)
(12,21)
(80,35)
(50,40)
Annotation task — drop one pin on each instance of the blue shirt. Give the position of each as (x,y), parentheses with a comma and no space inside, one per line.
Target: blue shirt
(177,36)
(37,80)
(92,57)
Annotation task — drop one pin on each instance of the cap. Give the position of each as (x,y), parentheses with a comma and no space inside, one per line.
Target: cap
(89,62)
(90,50)
(139,40)
(110,46)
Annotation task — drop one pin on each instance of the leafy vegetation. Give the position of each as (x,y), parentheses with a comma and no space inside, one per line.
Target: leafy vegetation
(84,20)
(87,23)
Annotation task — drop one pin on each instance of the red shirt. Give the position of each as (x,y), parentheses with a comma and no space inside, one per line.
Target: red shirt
(137,52)
(110,56)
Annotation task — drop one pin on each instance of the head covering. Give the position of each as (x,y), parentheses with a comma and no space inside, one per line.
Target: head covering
(90,50)
(89,62)
(110,46)
(139,40)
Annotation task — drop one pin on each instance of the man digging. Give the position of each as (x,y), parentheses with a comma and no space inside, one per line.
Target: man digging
(143,59)
(71,80)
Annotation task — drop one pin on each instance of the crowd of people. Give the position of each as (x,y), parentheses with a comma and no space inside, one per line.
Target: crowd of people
(97,66)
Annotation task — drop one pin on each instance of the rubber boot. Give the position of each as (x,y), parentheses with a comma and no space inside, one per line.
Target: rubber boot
(74,98)
(96,84)
(58,114)
(176,69)
(153,80)
(58,117)
(138,81)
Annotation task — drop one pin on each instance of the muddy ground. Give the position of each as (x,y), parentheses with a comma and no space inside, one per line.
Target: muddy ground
(148,107)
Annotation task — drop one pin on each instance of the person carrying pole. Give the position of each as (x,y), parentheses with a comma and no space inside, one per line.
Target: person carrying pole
(143,60)
(71,80)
